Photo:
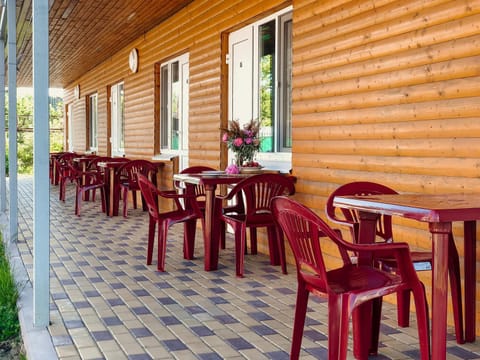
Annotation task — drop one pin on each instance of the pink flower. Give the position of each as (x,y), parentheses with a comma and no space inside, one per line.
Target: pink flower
(225,137)
(232,169)
(238,142)
(248,140)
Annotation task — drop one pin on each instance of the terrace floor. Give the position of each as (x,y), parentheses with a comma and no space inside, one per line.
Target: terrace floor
(107,304)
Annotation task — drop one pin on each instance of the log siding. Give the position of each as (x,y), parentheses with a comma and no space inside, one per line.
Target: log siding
(384,90)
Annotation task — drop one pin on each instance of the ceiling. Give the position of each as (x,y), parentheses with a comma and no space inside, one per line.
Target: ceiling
(84,33)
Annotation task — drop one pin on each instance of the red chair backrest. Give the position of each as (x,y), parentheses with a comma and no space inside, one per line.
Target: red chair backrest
(259,190)
(306,232)
(199,189)
(149,193)
(127,172)
(350,217)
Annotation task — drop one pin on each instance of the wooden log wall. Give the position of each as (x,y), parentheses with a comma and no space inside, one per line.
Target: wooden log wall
(387,91)
(383,90)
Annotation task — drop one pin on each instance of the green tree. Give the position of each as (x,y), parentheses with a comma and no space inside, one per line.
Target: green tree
(25,130)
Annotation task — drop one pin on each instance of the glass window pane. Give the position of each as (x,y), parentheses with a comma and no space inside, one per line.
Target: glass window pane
(267,85)
(287,86)
(176,89)
(164,107)
(121,112)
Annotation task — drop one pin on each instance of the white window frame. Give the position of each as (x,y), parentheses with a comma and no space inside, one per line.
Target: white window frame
(70,128)
(174,141)
(117,114)
(281,156)
(93,122)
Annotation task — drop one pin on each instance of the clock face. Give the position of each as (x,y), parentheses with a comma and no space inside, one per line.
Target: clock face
(133,60)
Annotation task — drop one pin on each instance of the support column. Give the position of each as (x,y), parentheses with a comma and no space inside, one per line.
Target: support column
(12,118)
(41,185)
(3,180)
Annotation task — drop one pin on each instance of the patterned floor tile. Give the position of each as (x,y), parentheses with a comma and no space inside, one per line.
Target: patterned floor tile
(106,303)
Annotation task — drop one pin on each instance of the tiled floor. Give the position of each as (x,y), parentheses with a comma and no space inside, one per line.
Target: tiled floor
(107,304)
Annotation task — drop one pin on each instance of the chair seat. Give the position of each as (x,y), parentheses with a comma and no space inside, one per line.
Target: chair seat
(353,278)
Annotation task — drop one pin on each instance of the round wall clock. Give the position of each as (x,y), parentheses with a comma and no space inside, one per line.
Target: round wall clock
(133,60)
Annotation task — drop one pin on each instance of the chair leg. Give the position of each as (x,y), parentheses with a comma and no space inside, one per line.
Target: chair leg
(421,308)
(281,246)
(299,320)
(134,198)
(104,199)
(335,326)
(223,229)
(455,289)
(162,244)
(403,308)
(125,201)
(61,188)
(253,241)
(189,239)
(239,248)
(78,201)
(151,236)
(376,317)
(273,249)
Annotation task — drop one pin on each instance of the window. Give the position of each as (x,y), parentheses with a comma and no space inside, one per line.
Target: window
(69,127)
(92,125)
(117,111)
(260,73)
(174,108)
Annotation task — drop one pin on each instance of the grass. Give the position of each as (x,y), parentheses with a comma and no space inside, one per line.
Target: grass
(9,324)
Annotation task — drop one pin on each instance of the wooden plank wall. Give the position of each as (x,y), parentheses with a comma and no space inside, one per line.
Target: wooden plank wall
(383,90)
(387,91)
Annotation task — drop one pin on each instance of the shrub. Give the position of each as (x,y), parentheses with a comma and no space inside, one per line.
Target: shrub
(9,324)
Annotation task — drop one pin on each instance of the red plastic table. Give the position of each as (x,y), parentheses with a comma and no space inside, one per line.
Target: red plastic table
(109,168)
(211,231)
(439,211)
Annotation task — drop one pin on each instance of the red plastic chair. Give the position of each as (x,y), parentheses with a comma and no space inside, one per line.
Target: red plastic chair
(87,181)
(63,165)
(198,189)
(164,220)
(348,285)
(384,235)
(257,192)
(127,180)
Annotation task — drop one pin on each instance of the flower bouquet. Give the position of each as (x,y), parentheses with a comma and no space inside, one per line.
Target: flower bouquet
(244,142)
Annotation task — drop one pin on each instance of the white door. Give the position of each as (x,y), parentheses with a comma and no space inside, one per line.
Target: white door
(174,97)
(117,123)
(241,76)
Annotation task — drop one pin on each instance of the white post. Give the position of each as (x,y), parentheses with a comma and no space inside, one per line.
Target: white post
(41,186)
(3,180)
(12,117)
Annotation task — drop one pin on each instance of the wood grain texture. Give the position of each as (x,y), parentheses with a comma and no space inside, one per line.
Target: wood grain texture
(382,91)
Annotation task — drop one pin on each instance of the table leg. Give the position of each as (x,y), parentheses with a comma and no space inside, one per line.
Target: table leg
(189,226)
(440,235)
(363,342)
(86,194)
(106,180)
(211,230)
(470,232)
(112,195)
